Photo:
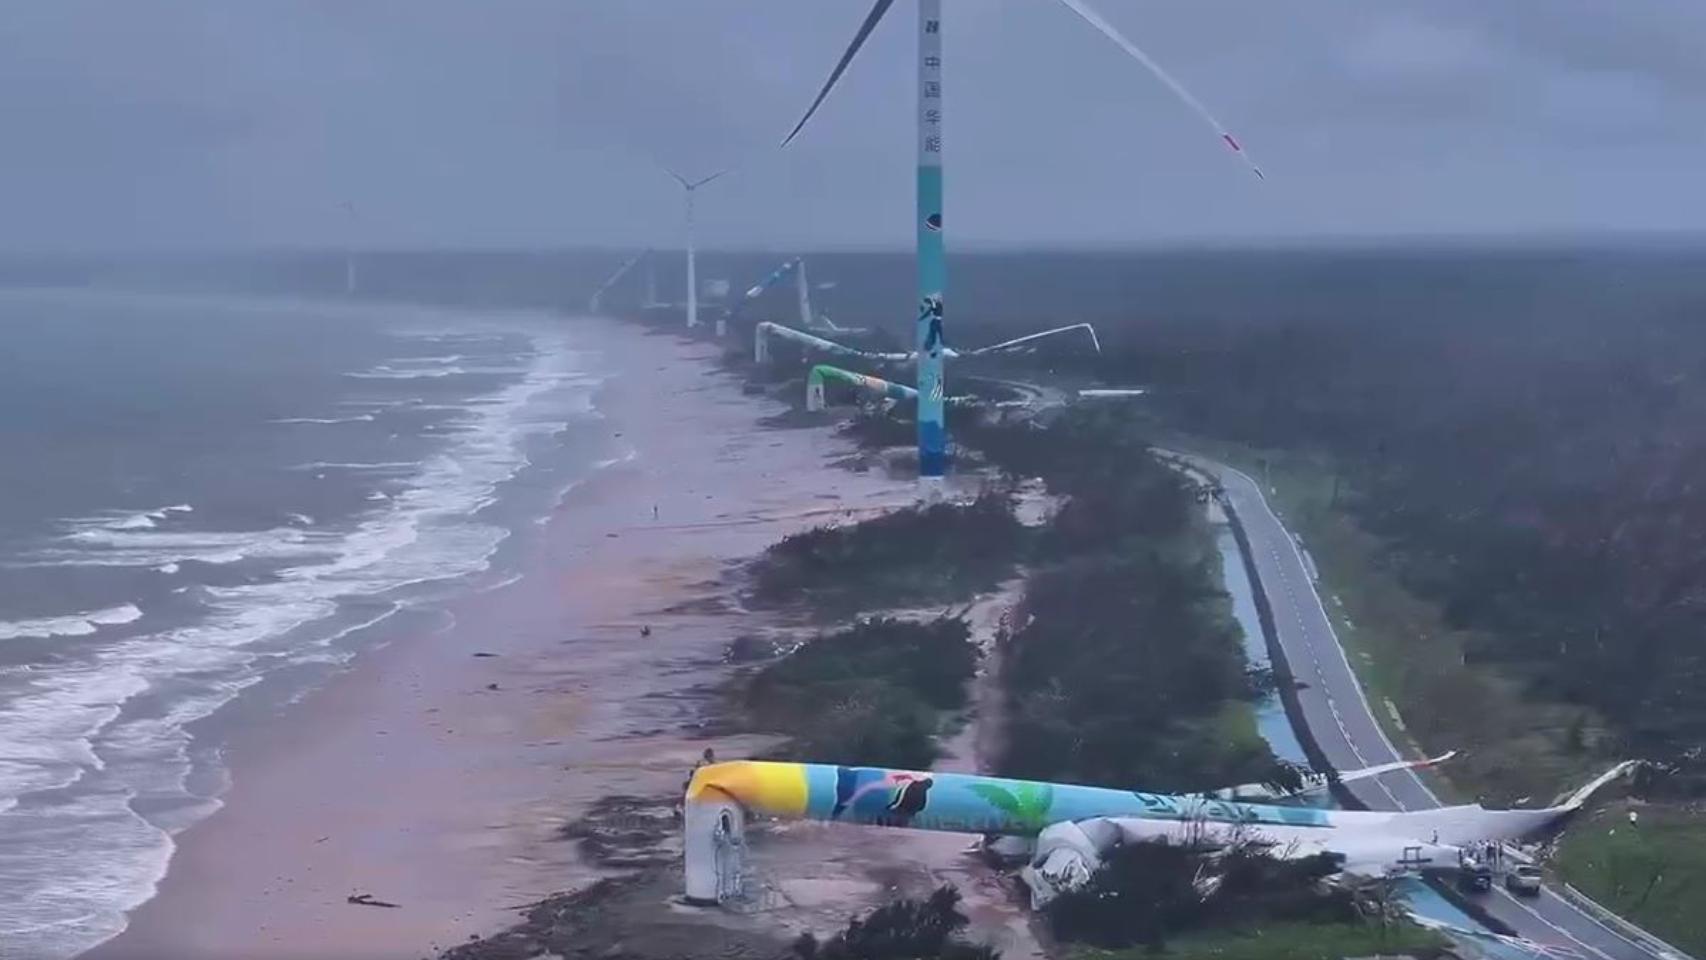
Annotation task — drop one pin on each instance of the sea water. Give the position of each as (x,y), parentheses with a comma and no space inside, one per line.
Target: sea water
(200,498)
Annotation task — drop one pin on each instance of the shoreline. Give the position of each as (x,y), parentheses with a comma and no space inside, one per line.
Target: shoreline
(428,777)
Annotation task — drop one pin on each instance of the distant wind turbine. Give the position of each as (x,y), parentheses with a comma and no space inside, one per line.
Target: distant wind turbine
(932,268)
(595,303)
(690,187)
(349,250)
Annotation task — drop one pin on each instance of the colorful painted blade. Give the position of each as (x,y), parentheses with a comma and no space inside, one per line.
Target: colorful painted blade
(876,14)
(1095,20)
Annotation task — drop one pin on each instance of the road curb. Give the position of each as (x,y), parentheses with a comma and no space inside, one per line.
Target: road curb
(1306,736)
(1605,915)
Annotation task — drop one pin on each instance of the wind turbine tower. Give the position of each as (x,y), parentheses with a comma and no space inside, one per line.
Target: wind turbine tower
(349,250)
(690,188)
(932,264)
(804,290)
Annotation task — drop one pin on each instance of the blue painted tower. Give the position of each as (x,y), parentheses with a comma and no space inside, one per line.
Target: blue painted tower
(932,252)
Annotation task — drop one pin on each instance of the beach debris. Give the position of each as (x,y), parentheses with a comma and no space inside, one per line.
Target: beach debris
(646,630)
(491,686)
(368,900)
(483,653)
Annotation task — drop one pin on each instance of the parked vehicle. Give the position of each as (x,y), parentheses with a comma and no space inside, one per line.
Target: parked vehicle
(1524,878)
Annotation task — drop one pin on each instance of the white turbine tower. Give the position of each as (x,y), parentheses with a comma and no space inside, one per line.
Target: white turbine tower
(690,187)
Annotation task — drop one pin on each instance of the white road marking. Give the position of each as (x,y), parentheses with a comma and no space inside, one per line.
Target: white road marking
(1308,641)
(1536,915)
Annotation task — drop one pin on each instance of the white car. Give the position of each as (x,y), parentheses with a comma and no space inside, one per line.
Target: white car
(1524,878)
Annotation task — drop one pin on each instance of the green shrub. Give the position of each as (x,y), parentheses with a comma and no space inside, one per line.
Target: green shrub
(942,552)
(870,694)
(1146,893)
(1122,675)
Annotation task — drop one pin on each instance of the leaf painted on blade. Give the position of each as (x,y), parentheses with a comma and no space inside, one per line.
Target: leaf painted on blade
(1035,800)
(998,797)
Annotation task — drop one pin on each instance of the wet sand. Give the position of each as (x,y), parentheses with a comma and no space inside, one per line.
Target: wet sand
(413,778)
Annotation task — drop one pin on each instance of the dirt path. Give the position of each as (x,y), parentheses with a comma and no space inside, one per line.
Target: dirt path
(811,877)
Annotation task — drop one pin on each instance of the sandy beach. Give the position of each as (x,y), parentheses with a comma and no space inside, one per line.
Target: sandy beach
(437,773)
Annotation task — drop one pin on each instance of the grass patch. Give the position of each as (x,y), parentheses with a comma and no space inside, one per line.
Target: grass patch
(1652,872)
(936,554)
(874,693)
(1286,941)
(1403,650)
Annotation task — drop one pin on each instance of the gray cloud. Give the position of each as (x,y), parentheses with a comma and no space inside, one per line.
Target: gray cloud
(208,123)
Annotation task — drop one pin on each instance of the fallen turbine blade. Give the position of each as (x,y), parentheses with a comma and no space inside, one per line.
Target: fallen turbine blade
(871,19)
(1095,20)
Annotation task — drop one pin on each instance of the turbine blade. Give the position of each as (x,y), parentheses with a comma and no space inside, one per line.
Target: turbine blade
(1095,20)
(699,183)
(876,14)
(678,177)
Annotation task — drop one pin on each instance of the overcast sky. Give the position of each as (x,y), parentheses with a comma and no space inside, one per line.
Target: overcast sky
(157,124)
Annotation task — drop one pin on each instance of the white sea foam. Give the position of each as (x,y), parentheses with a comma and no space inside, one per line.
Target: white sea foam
(155,548)
(452,358)
(119,520)
(71,625)
(358,418)
(377,403)
(386,465)
(388,372)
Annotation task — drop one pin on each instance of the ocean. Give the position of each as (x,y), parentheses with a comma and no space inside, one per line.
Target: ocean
(201,497)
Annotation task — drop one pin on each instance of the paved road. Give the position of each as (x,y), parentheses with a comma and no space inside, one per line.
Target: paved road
(1343,724)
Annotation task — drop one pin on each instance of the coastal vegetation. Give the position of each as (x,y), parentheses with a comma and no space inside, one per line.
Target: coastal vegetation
(874,693)
(936,553)
(1128,668)
(1157,899)
(1128,672)
(1506,517)
(1546,502)
(904,929)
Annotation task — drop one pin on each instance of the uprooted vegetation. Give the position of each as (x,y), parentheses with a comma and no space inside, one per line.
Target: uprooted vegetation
(874,693)
(931,554)
(1181,901)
